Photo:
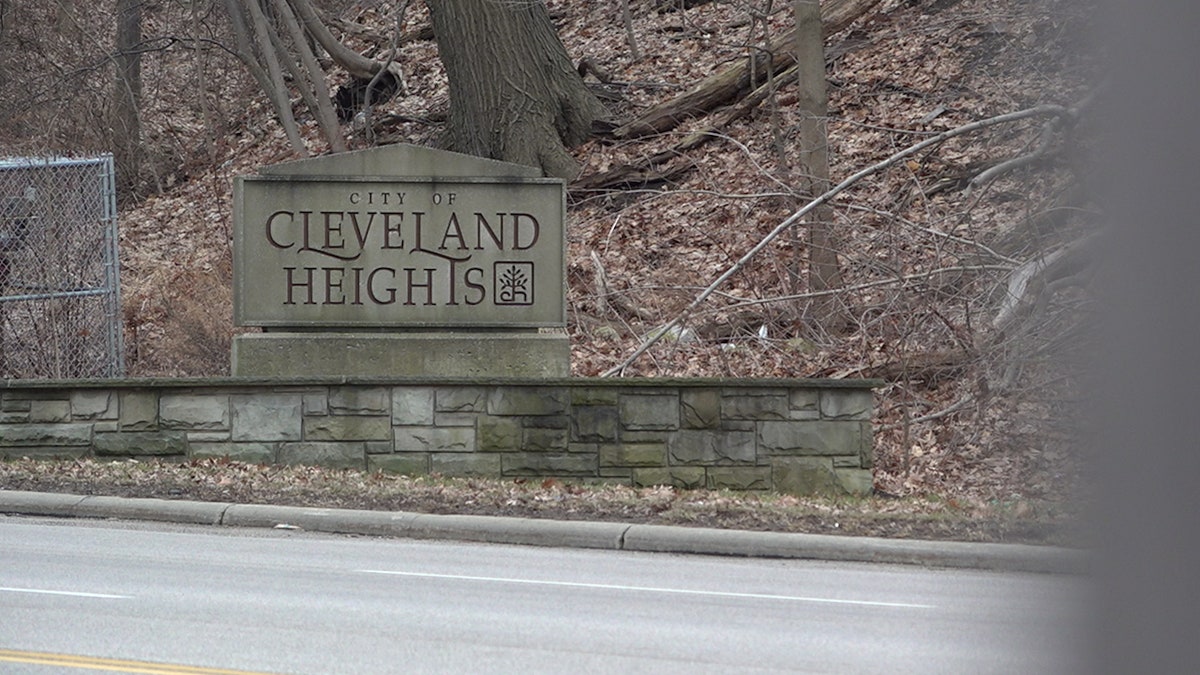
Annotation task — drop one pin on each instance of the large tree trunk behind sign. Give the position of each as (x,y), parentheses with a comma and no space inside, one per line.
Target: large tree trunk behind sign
(513,93)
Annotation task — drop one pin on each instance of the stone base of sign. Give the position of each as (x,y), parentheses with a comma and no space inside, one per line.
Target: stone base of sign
(461,354)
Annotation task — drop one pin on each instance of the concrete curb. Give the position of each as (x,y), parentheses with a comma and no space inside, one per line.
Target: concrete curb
(573,534)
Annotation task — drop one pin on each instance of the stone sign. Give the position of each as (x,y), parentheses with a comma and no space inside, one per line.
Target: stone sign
(400,261)
(399,252)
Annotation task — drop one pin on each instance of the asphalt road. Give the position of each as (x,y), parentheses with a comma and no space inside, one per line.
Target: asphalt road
(281,601)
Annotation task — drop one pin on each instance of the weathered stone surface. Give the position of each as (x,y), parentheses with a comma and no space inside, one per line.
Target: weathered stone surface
(89,404)
(407,464)
(818,437)
(267,417)
(412,406)
(338,455)
(649,411)
(434,439)
(683,477)
(465,464)
(528,401)
(137,443)
(594,395)
(11,403)
(50,411)
(310,354)
(194,436)
(193,411)
(709,447)
(545,440)
(855,404)
(347,428)
(700,408)
(44,452)
(498,433)
(805,476)
(547,464)
(739,478)
(463,419)
(45,434)
(595,424)
(359,401)
(768,404)
(856,481)
(139,410)
(316,402)
(633,454)
(250,453)
(547,422)
(14,417)
(805,400)
(461,399)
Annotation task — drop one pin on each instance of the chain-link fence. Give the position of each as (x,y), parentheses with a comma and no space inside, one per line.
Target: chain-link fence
(59,294)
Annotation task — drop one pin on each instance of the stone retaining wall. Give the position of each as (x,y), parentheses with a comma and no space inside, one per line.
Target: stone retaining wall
(798,436)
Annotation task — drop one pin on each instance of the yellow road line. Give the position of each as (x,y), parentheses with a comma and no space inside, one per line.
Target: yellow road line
(112,665)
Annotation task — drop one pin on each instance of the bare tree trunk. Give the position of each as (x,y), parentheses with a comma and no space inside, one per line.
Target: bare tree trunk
(255,37)
(127,94)
(311,80)
(513,93)
(813,105)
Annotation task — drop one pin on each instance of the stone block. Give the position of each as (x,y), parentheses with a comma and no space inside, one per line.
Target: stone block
(93,404)
(848,404)
(595,424)
(268,417)
(445,354)
(194,411)
(584,447)
(528,401)
(461,399)
(106,425)
(649,411)
(858,482)
(711,447)
(545,440)
(138,443)
(465,464)
(547,422)
(700,408)
(633,454)
(138,410)
(595,395)
(498,433)
(765,404)
(818,437)
(412,406)
(347,428)
(805,400)
(683,477)
(464,419)
(359,401)
(47,435)
(335,455)
(10,403)
(805,476)
(548,464)
(250,453)
(739,478)
(434,439)
(195,436)
(45,452)
(315,402)
(50,411)
(14,417)
(406,464)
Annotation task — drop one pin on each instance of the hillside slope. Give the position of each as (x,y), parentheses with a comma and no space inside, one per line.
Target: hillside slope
(943,292)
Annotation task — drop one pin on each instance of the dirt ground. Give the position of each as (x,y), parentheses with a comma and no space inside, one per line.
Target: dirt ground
(1018,521)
